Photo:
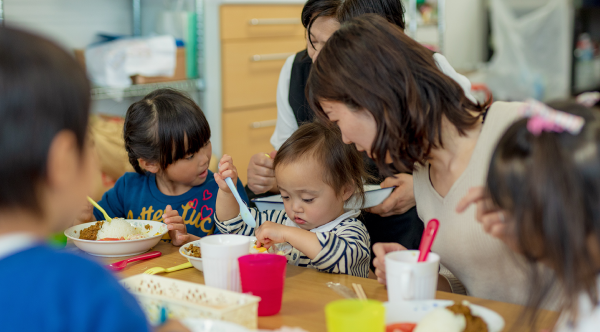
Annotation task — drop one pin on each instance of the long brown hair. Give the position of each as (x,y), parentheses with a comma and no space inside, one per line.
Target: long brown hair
(342,164)
(550,186)
(370,64)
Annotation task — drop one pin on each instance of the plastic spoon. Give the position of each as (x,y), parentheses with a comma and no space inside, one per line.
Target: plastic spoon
(427,239)
(118,266)
(106,217)
(246,215)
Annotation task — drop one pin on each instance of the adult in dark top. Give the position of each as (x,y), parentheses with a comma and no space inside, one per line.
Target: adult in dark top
(395,220)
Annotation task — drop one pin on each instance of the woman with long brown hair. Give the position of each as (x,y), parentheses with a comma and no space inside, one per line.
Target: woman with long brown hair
(390,99)
(395,220)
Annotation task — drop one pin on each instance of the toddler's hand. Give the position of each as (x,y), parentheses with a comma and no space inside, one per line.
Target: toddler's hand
(270,233)
(176,226)
(226,170)
(86,214)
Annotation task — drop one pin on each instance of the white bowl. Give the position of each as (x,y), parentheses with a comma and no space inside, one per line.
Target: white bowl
(414,311)
(118,248)
(196,262)
(209,325)
(374,195)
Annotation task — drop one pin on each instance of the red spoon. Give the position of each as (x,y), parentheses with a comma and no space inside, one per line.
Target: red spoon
(118,266)
(427,239)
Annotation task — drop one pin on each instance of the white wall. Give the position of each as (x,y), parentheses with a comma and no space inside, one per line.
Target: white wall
(72,23)
(465,33)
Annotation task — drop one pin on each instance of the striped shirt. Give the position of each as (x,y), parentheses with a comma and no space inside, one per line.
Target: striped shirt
(345,241)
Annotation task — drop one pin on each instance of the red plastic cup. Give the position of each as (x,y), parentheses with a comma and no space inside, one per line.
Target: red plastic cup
(263,275)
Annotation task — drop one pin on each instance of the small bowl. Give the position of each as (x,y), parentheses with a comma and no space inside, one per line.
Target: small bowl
(117,248)
(374,195)
(196,262)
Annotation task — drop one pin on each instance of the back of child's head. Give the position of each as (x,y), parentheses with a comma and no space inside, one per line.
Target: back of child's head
(163,127)
(342,164)
(43,91)
(548,182)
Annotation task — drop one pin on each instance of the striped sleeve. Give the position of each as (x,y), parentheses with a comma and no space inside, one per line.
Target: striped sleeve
(238,226)
(346,249)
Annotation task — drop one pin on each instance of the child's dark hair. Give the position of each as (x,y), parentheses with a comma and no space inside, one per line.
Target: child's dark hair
(342,164)
(43,91)
(391,10)
(550,186)
(314,9)
(164,127)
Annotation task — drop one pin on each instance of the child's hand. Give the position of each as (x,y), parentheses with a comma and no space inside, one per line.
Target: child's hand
(176,226)
(86,214)
(226,170)
(270,233)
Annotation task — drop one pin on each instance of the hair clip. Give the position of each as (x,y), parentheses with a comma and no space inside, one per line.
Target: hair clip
(543,118)
(588,99)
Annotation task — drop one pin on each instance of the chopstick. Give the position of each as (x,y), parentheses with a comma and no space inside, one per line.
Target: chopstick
(360,292)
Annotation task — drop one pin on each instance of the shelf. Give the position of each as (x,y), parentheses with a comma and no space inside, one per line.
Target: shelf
(140,90)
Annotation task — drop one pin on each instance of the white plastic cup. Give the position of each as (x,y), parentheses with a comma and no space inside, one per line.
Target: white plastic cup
(219,260)
(408,280)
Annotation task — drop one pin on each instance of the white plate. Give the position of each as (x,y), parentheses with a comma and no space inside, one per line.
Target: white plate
(374,195)
(208,325)
(414,311)
(118,248)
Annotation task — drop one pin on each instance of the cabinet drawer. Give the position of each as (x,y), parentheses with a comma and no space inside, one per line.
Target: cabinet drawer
(251,70)
(249,21)
(246,133)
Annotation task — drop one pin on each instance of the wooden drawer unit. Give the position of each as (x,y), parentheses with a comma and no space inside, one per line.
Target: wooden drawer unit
(246,133)
(250,21)
(251,69)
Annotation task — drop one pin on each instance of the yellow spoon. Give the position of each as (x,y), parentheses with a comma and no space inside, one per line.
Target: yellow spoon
(107,218)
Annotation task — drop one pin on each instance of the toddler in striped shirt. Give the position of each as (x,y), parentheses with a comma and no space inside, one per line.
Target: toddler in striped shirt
(316,174)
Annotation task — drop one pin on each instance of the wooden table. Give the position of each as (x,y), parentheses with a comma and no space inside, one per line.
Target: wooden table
(306,294)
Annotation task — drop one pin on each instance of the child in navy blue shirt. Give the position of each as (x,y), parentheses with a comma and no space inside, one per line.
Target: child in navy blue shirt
(46,168)
(167,138)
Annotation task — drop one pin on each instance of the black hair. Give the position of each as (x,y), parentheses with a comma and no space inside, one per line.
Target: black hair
(314,9)
(163,127)
(391,10)
(549,186)
(43,91)
(342,164)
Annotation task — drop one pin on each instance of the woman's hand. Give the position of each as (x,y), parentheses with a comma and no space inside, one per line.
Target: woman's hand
(400,200)
(490,216)
(380,250)
(176,226)
(226,170)
(270,233)
(261,177)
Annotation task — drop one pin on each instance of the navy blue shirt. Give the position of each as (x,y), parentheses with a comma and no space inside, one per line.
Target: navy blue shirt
(136,196)
(46,290)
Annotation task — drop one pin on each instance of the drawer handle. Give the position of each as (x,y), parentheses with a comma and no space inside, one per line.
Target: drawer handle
(270,57)
(274,21)
(263,124)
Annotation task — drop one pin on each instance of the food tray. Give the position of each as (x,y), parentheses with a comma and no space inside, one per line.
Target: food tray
(183,299)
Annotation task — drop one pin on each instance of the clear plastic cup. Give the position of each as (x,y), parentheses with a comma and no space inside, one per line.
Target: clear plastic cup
(355,315)
(219,260)
(263,275)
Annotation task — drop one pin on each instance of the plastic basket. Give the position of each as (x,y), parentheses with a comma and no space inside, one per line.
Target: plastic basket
(183,299)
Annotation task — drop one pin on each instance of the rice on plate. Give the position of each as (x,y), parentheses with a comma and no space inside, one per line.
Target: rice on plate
(119,237)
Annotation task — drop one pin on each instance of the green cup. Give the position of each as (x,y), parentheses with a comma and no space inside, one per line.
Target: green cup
(57,240)
(355,315)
